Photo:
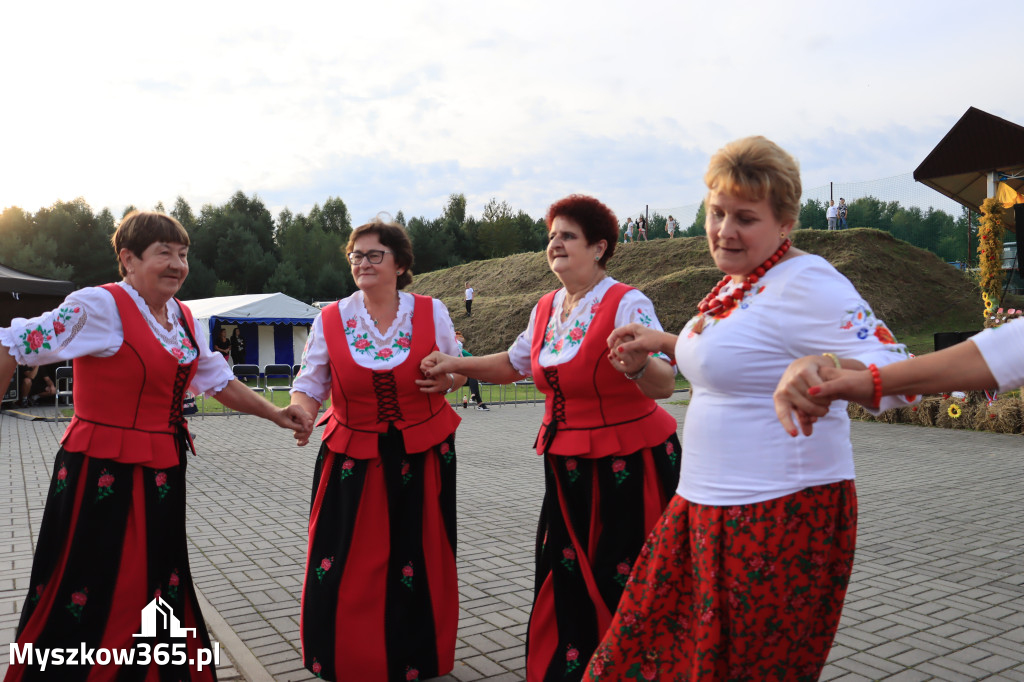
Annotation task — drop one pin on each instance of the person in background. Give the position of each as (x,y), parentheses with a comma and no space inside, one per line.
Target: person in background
(641,225)
(469,300)
(831,214)
(37,384)
(841,211)
(112,536)
(380,599)
(672,226)
(237,347)
(744,576)
(222,344)
(627,235)
(611,455)
(474,385)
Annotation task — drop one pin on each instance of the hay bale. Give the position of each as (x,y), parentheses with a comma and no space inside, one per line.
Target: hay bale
(1002,416)
(966,418)
(897,415)
(928,410)
(857,411)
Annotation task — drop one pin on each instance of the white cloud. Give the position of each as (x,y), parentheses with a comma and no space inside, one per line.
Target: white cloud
(395,105)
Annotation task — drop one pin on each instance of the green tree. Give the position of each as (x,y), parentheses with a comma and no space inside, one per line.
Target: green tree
(812,215)
(696,228)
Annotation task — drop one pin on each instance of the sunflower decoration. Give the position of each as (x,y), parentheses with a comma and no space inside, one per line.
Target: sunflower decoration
(954,411)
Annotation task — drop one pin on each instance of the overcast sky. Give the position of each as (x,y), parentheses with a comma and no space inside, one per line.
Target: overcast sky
(395,105)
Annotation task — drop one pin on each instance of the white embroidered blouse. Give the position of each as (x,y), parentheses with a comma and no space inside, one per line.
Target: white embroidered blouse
(370,347)
(88,323)
(562,339)
(734,449)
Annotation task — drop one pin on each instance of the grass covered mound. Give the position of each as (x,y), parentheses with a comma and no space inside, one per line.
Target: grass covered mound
(913,290)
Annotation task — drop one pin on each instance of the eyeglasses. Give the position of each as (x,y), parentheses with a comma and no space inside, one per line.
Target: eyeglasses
(375,256)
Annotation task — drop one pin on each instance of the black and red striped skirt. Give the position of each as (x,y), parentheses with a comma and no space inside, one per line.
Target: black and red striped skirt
(745,592)
(594,520)
(380,600)
(112,539)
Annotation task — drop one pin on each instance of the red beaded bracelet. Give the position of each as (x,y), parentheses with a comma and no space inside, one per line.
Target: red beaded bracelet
(876,380)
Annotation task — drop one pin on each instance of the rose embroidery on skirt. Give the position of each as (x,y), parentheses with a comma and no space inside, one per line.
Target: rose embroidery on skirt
(622,572)
(670,450)
(446,453)
(162,486)
(619,469)
(77,605)
(62,480)
(411,674)
(406,476)
(571,469)
(569,559)
(172,584)
(104,485)
(572,659)
(325,565)
(346,467)
(316,667)
(37,594)
(407,574)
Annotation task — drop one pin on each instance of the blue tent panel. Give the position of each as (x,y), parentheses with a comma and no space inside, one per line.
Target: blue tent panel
(284,353)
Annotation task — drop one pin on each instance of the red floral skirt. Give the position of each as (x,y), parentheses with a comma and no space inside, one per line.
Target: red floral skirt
(594,520)
(743,592)
(380,599)
(112,539)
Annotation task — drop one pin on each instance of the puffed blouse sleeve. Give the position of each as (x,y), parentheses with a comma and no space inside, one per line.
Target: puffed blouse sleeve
(86,323)
(821,312)
(519,351)
(212,374)
(636,307)
(314,378)
(1000,347)
(444,330)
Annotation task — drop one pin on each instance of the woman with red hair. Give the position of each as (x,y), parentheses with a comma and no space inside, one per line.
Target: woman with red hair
(611,456)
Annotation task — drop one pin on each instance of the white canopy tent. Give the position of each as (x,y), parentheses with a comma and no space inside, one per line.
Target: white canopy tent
(274,326)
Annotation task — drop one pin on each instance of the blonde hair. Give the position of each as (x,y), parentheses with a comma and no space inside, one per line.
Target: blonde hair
(756,168)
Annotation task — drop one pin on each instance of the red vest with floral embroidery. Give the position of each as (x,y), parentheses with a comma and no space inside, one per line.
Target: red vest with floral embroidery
(364,402)
(590,409)
(128,406)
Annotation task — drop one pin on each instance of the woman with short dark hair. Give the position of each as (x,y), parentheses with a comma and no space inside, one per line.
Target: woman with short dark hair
(380,599)
(611,456)
(112,536)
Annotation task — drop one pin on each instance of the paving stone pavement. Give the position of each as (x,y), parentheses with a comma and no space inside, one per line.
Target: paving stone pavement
(937,590)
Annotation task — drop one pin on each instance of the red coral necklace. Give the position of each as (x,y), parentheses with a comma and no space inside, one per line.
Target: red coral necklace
(715,305)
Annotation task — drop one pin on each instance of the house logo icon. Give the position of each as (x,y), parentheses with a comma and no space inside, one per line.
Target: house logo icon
(158,615)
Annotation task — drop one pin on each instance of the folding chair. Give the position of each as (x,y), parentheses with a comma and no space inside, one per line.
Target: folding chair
(250,376)
(63,380)
(277,372)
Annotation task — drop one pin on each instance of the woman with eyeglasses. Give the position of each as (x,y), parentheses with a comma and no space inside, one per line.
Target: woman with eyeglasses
(380,599)
(611,455)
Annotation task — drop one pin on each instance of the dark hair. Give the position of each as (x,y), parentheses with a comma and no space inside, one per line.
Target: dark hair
(139,229)
(393,236)
(595,219)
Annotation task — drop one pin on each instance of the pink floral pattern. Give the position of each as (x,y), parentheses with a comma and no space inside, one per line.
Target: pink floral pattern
(77,603)
(407,575)
(162,486)
(62,480)
(173,581)
(325,565)
(104,485)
